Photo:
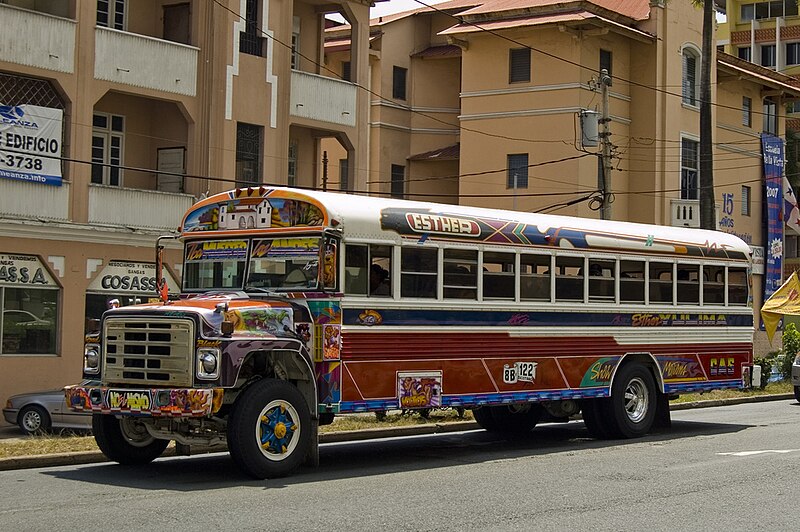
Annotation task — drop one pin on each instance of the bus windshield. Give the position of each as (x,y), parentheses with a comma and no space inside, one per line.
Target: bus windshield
(284,264)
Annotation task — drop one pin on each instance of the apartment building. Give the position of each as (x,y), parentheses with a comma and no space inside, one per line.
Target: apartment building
(153,104)
(479,102)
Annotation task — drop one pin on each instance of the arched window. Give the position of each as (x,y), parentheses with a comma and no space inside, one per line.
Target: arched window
(690,86)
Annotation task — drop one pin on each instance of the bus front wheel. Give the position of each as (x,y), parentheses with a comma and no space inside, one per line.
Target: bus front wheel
(125,440)
(269,430)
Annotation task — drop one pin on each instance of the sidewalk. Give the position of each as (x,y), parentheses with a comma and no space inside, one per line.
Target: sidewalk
(90,457)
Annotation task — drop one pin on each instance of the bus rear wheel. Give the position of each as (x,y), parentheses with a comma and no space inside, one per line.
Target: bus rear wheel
(631,409)
(269,430)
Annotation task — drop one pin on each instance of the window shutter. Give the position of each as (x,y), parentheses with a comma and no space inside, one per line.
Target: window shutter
(519,65)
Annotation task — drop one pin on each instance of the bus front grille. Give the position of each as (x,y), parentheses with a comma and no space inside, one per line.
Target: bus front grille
(148,351)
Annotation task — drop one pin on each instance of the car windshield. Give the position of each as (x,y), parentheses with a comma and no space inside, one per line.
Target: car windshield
(215,264)
(284,264)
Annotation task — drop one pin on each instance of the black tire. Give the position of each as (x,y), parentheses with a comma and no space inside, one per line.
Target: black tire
(483,416)
(797,393)
(287,425)
(125,440)
(516,418)
(33,419)
(631,409)
(594,417)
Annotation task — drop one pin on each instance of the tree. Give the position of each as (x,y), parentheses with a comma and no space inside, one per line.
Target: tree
(707,209)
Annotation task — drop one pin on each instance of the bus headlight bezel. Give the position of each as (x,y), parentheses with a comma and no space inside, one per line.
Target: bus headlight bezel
(208,362)
(91,359)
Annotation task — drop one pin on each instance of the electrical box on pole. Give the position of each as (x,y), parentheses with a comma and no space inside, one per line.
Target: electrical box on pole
(589,136)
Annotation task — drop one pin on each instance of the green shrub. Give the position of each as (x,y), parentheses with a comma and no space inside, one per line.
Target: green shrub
(791,346)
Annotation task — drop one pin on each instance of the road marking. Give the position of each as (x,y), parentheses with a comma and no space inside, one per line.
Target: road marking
(766,451)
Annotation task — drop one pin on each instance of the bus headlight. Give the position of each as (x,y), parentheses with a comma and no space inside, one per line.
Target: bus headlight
(208,363)
(91,359)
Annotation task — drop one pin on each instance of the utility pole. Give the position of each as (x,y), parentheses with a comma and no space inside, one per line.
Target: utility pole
(605,154)
(325,171)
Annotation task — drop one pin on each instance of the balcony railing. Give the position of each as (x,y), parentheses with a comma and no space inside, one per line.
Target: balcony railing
(37,39)
(685,212)
(146,62)
(144,209)
(320,98)
(20,199)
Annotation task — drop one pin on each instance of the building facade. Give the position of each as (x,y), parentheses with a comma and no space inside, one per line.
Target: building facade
(156,103)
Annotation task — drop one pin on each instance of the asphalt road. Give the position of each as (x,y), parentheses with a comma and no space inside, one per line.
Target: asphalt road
(724,468)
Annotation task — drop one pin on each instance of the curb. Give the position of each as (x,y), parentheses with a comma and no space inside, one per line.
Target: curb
(93,457)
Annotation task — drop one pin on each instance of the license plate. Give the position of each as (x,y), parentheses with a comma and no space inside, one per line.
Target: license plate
(519,372)
(139,400)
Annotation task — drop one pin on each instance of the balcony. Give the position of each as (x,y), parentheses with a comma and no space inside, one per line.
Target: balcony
(325,99)
(36,39)
(134,208)
(146,62)
(33,201)
(685,212)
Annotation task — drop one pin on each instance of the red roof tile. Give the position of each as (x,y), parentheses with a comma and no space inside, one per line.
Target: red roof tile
(448,153)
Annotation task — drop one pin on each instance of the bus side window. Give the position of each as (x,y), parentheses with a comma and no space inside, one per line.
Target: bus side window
(498,275)
(460,274)
(418,272)
(713,285)
(356,275)
(569,278)
(380,271)
(737,286)
(661,282)
(601,279)
(534,277)
(631,281)
(688,285)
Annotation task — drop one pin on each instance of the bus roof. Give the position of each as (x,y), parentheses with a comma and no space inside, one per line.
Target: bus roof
(263,209)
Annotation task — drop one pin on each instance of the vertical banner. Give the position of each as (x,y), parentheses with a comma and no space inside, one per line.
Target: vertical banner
(772,148)
(30,143)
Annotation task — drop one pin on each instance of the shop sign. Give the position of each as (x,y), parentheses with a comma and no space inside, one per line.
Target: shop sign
(23,270)
(757,253)
(123,277)
(30,143)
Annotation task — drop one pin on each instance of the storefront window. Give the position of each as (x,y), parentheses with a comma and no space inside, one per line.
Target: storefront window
(29,307)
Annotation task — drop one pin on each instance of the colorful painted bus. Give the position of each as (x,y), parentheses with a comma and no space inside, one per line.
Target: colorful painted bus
(298,306)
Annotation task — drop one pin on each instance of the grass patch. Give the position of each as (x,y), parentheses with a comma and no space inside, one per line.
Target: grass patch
(68,442)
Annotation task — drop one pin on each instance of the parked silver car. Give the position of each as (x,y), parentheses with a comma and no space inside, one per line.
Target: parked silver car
(39,412)
(796,377)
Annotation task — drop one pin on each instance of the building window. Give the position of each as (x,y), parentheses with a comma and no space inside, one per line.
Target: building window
(747,111)
(346,74)
(690,166)
(767,10)
(744,52)
(519,65)
(790,246)
(768,55)
(291,171)
(344,183)
(690,78)
(770,116)
(250,41)
(111,14)
(745,200)
(29,307)
(295,62)
(249,139)
(517,171)
(398,180)
(605,61)
(793,53)
(108,139)
(747,12)
(399,75)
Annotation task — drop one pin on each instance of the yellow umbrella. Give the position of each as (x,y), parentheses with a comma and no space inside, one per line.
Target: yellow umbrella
(785,300)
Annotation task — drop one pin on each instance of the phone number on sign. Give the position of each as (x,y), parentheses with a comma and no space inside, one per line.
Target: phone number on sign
(22,162)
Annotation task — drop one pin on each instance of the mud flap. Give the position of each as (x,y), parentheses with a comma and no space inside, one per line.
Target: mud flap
(662,421)
(312,458)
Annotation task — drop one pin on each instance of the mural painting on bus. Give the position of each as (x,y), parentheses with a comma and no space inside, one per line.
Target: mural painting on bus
(675,369)
(260,321)
(424,223)
(370,317)
(419,389)
(329,378)
(599,373)
(331,341)
(253,213)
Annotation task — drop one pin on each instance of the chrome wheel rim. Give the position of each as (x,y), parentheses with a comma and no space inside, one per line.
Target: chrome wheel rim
(637,400)
(32,420)
(278,430)
(135,432)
